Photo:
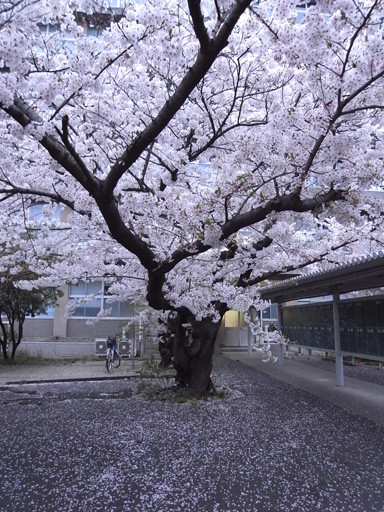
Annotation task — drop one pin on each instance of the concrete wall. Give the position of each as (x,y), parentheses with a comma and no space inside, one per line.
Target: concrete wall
(37,328)
(58,349)
(79,329)
(79,349)
(233,337)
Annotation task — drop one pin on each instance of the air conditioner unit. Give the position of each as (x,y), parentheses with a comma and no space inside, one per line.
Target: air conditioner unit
(100,346)
(125,349)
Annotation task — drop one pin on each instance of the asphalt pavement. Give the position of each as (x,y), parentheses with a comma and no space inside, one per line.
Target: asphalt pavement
(359,396)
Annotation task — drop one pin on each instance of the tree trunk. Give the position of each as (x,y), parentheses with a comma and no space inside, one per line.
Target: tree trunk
(192,348)
(4,338)
(4,349)
(14,348)
(16,334)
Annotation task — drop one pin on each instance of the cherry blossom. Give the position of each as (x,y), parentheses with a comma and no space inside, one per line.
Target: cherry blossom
(196,148)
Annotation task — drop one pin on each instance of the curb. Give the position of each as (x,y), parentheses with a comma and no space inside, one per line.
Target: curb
(83,379)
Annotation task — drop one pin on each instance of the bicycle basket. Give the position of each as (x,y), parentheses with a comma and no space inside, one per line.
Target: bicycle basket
(111,341)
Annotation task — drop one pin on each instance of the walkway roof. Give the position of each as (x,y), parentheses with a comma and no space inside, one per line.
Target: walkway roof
(358,274)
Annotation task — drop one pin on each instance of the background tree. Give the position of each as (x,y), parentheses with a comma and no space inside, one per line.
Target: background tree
(15,305)
(202,146)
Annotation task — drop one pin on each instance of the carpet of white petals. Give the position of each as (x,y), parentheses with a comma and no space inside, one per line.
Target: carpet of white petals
(96,446)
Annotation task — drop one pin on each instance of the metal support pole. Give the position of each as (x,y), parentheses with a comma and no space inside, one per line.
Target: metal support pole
(336,328)
(281,348)
(279,317)
(249,341)
(133,351)
(253,313)
(238,329)
(280,354)
(141,337)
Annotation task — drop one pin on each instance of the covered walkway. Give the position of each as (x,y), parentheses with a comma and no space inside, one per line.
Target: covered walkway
(356,275)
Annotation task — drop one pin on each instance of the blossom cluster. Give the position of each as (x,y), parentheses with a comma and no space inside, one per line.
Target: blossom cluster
(241,180)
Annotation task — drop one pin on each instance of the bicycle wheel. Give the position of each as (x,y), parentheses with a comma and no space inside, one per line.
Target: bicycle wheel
(108,362)
(116,361)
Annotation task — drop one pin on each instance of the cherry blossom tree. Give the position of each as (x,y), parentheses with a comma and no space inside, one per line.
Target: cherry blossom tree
(198,147)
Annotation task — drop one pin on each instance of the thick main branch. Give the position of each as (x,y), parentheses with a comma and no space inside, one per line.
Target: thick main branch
(23,114)
(193,76)
(288,202)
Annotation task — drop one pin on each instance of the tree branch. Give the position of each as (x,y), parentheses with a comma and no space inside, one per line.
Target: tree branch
(40,193)
(338,113)
(292,268)
(273,32)
(358,91)
(21,112)
(195,73)
(359,109)
(198,25)
(287,202)
(355,36)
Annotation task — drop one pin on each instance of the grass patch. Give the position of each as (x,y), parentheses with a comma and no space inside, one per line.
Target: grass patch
(152,368)
(23,359)
(155,392)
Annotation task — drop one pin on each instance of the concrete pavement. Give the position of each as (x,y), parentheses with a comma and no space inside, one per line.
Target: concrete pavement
(66,371)
(363,398)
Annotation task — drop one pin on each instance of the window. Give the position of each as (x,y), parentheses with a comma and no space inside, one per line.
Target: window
(99,300)
(36,211)
(270,313)
(64,39)
(304,5)
(114,4)
(302,9)
(48,29)
(49,313)
(93,31)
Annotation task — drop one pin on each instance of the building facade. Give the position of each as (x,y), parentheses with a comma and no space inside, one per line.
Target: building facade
(82,324)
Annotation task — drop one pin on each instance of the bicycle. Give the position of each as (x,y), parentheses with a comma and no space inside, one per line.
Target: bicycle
(113,356)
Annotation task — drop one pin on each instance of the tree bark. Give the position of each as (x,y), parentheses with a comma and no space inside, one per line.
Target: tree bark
(14,348)
(16,333)
(4,349)
(4,339)
(193,343)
